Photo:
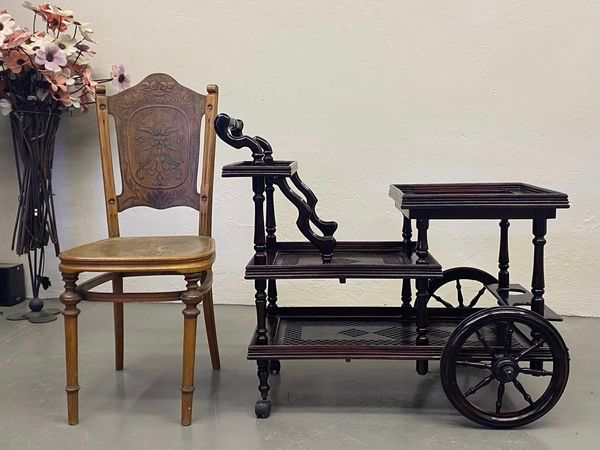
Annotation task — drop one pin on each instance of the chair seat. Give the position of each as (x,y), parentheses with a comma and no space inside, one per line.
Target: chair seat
(176,254)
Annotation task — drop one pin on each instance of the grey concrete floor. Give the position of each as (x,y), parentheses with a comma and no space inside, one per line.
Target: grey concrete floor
(316,404)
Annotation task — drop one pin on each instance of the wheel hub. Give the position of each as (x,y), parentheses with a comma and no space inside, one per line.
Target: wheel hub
(505,369)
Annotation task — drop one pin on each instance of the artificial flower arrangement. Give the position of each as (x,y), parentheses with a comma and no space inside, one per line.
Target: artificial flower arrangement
(48,69)
(43,72)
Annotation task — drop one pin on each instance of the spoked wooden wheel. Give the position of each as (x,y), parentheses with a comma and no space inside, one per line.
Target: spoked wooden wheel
(485,368)
(458,276)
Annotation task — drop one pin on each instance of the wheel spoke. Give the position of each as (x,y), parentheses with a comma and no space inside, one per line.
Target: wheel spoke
(476,365)
(442,301)
(485,344)
(500,397)
(479,385)
(523,392)
(508,339)
(461,300)
(535,346)
(536,372)
(477,297)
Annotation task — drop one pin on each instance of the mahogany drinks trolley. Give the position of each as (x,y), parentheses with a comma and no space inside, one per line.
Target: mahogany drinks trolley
(502,366)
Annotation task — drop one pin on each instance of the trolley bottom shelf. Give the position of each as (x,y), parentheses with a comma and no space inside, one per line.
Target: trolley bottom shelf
(371,333)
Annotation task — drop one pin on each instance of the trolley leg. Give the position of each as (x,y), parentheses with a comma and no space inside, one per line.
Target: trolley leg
(406,295)
(422,322)
(262,408)
(537,279)
(422,285)
(274,364)
(503,262)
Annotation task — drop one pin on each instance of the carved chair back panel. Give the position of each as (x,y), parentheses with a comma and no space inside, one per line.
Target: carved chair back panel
(158,135)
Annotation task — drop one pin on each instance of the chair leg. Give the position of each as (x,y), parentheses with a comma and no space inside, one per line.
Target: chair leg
(70,298)
(119,335)
(211,329)
(190,297)
(117,286)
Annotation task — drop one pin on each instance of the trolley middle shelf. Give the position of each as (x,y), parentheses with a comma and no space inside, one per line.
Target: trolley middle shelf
(352,259)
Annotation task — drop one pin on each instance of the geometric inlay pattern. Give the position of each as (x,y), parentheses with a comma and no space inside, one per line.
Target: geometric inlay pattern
(376,332)
(353,332)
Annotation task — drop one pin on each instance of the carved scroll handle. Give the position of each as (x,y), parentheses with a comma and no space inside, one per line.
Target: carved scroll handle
(325,244)
(327,228)
(230,131)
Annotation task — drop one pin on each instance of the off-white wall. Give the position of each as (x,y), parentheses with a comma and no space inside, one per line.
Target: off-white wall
(363,94)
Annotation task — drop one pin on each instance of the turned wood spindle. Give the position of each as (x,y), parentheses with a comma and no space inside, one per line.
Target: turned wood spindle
(422,285)
(422,244)
(406,295)
(190,297)
(503,260)
(263,378)
(70,298)
(537,278)
(258,187)
(261,311)
(271,297)
(271,227)
(406,233)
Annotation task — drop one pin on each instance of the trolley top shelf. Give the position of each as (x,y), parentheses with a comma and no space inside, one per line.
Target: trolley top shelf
(477,201)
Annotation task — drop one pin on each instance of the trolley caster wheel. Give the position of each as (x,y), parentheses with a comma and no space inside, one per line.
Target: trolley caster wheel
(274,366)
(262,409)
(494,348)
(456,275)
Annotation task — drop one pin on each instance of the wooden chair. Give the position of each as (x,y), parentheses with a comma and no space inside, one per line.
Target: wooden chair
(158,125)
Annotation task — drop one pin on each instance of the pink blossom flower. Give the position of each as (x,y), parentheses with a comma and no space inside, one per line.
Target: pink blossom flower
(86,76)
(16,61)
(15,39)
(59,81)
(121,78)
(51,57)
(62,96)
(57,18)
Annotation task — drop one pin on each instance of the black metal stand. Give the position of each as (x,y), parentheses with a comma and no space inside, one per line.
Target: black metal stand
(33,135)
(37,313)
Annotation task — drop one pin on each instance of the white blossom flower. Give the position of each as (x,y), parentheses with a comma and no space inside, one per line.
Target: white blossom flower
(51,57)
(30,6)
(85,30)
(5,107)
(121,78)
(7,25)
(37,41)
(67,44)
(74,99)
